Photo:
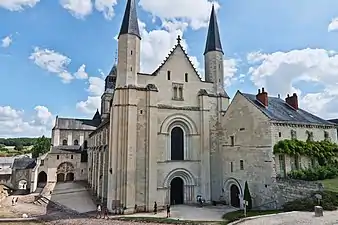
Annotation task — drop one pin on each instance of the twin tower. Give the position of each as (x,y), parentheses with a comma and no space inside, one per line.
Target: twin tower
(129,51)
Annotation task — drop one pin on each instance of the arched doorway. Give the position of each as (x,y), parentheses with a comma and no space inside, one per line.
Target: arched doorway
(234,195)
(42,179)
(60,177)
(65,172)
(70,177)
(177,144)
(176,191)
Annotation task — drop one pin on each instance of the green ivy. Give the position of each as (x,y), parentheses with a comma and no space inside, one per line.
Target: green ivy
(324,151)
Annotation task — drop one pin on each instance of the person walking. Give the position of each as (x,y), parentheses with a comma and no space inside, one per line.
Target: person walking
(155,207)
(105,213)
(168,211)
(98,213)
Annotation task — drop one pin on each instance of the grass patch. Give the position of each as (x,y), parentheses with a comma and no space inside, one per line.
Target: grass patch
(236,215)
(165,221)
(331,184)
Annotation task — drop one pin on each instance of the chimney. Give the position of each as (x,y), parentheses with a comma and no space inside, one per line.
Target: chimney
(292,101)
(262,97)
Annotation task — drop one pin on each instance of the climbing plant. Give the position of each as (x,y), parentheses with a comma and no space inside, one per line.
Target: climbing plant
(325,151)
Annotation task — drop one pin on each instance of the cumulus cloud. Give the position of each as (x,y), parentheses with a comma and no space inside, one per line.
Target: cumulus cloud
(95,90)
(81,73)
(287,72)
(333,26)
(17,5)
(78,8)
(106,7)
(13,122)
(181,10)
(6,41)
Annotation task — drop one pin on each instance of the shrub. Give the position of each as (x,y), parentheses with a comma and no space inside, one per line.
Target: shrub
(317,173)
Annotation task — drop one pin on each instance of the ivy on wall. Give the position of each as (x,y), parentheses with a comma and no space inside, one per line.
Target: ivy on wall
(324,151)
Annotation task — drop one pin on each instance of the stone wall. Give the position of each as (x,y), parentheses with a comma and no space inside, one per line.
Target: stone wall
(289,190)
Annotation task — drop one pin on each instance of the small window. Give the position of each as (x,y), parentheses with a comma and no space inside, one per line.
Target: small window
(241,164)
(326,136)
(57,157)
(64,142)
(131,52)
(232,140)
(131,68)
(175,93)
(168,74)
(141,111)
(219,66)
(76,142)
(42,163)
(279,134)
(82,170)
(186,77)
(71,156)
(180,90)
(231,167)
(293,134)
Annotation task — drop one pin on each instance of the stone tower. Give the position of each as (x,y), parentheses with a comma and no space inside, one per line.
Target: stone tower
(124,114)
(128,48)
(108,93)
(213,55)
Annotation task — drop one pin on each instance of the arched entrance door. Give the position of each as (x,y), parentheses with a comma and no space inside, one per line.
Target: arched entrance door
(70,177)
(42,179)
(176,191)
(60,177)
(234,193)
(177,144)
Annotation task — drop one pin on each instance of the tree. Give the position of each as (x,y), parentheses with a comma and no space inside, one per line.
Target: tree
(18,147)
(41,146)
(247,196)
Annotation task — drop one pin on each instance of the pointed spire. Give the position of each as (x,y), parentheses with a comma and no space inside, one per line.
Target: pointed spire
(213,40)
(129,22)
(97,115)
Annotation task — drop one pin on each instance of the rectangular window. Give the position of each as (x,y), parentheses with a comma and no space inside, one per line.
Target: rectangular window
(241,164)
(180,89)
(168,74)
(231,167)
(42,163)
(57,157)
(279,134)
(71,156)
(232,140)
(293,134)
(326,136)
(186,77)
(177,92)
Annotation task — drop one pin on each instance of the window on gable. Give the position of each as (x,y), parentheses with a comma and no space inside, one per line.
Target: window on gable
(168,75)
(177,92)
(232,140)
(241,164)
(42,163)
(174,93)
(186,77)
(180,92)
(231,167)
(57,157)
(293,134)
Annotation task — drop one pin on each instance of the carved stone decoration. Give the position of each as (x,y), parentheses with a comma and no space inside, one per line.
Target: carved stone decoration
(65,167)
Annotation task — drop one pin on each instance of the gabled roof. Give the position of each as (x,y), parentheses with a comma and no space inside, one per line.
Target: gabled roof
(171,53)
(75,124)
(213,39)
(129,22)
(24,163)
(278,110)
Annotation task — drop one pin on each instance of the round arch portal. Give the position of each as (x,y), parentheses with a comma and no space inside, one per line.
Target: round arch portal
(65,172)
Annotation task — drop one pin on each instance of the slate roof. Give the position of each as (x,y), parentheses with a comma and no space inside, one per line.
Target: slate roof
(333,121)
(213,39)
(24,163)
(66,149)
(279,111)
(75,124)
(7,160)
(129,22)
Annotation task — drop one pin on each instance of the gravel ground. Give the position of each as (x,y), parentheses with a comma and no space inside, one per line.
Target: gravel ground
(296,218)
(95,222)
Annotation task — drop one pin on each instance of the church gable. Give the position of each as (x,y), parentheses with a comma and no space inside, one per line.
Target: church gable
(177,67)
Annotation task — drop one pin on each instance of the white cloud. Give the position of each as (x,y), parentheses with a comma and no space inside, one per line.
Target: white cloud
(53,62)
(286,72)
(6,41)
(78,8)
(17,5)
(333,26)
(106,7)
(95,90)
(181,10)
(81,73)
(230,69)
(14,124)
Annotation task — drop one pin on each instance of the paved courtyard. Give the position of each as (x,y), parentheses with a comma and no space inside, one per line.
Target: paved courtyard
(295,218)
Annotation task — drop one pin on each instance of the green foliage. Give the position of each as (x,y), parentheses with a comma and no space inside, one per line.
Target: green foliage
(247,195)
(329,202)
(17,141)
(41,146)
(237,215)
(323,151)
(317,173)
(18,147)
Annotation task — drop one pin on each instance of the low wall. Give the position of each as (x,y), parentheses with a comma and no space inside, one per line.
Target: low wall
(289,190)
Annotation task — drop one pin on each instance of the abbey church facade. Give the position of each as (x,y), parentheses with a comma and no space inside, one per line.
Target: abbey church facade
(170,136)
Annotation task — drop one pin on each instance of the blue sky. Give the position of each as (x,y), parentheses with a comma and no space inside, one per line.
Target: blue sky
(253,32)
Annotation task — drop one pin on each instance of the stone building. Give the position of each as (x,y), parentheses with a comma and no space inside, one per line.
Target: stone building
(164,137)
(253,124)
